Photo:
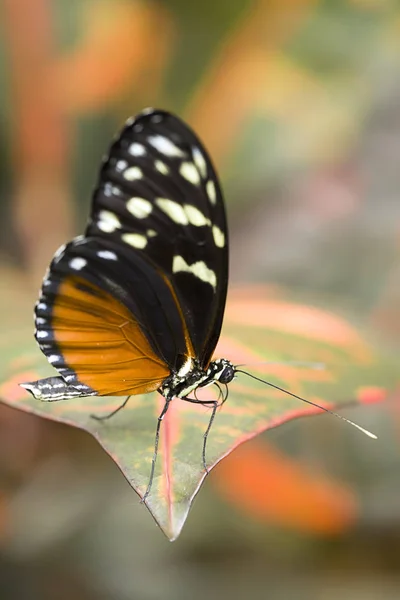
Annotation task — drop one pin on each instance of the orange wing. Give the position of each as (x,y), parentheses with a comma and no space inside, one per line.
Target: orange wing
(100,341)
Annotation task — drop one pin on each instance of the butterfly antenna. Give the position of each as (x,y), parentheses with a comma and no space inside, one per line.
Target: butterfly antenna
(331,412)
(292,363)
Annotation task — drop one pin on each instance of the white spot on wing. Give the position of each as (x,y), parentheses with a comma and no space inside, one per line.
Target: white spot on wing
(42,334)
(195,216)
(107,254)
(137,149)
(112,190)
(40,321)
(211,191)
(200,162)
(161,167)
(174,210)
(41,306)
(107,189)
(165,146)
(219,237)
(198,269)
(53,358)
(108,221)
(135,239)
(139,207)
(133,173)
(121,165)
(190,173)
(151,233)
(77,263)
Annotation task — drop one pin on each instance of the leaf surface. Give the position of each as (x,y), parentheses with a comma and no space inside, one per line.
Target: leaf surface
(327,361)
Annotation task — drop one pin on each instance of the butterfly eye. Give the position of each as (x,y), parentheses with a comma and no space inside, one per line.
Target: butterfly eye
(227,374)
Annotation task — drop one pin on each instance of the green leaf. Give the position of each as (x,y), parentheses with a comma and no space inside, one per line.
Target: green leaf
(258,327)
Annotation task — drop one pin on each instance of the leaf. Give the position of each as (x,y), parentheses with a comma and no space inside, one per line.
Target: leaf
(259,326)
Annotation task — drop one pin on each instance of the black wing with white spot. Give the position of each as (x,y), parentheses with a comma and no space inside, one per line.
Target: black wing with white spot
(158,197)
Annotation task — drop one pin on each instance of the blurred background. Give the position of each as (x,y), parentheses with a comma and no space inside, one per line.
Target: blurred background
(298,102)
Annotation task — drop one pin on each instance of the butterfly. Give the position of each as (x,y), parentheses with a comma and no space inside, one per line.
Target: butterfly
(136,304)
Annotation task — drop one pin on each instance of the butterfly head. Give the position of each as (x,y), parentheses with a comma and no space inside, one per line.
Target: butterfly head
(221,370)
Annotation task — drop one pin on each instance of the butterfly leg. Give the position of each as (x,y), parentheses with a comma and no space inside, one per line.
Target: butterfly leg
(215,404)
(207,431)
(154,459)
(112,413)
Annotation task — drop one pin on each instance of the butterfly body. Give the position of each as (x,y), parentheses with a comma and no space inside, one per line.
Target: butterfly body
(176,385)
(181,384)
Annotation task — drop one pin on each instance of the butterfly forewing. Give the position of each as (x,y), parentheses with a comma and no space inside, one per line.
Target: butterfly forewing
(125,305)
(158,195)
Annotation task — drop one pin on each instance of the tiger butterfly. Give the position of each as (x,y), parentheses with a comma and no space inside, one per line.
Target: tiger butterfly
(136,304)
